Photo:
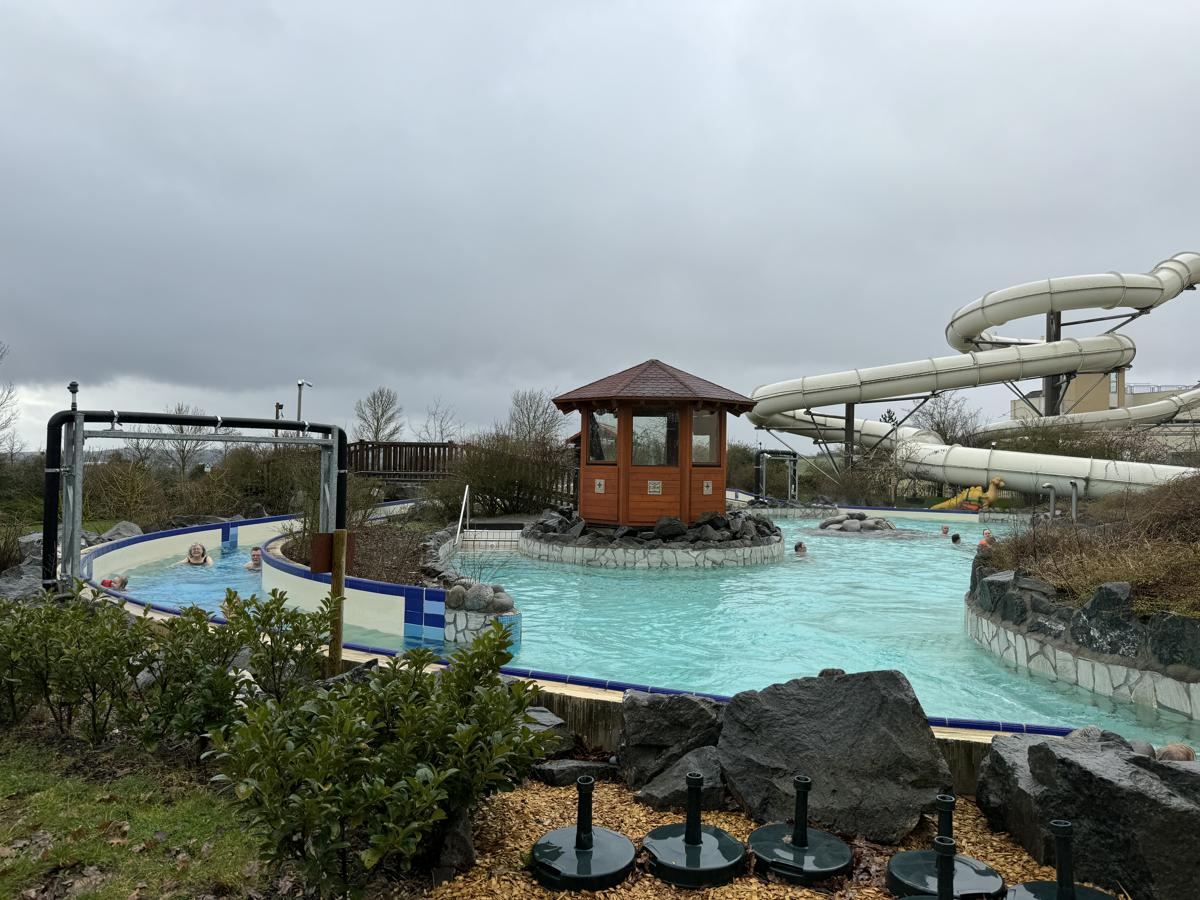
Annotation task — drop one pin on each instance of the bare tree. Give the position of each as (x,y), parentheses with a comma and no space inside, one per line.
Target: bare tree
(8,401)
(532,418)
(950,416)
(441,424)
(11,446)
(143,451)
(183,454)
(380,416)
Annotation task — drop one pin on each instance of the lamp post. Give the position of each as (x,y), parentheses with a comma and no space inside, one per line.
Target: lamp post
(301,384)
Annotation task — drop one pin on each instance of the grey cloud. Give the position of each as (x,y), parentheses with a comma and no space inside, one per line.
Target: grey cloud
(464,198)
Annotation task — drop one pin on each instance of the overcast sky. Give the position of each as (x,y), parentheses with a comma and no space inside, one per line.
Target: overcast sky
(203,202)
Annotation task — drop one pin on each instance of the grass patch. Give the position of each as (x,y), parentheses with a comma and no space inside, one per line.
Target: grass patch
(1149,539)
(116,824)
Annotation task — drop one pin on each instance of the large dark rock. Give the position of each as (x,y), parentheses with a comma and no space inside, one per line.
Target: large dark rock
(457,851)
(669,527)
(1174,640)
(1106,623)
(120,531)
(544,720)
(1137,819)
(659,729)
(668,789)
(561,772)
(862,738)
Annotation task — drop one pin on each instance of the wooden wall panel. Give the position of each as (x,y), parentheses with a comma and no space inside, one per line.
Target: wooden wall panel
(646,509)
(599,507)
(701,503)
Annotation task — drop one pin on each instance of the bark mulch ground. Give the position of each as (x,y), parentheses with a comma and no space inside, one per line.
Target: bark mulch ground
(507,825)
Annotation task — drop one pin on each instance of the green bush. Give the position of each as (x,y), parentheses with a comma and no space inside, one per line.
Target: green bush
(342,781)
(16,688)
(285,644)
(185,688)
(71,657)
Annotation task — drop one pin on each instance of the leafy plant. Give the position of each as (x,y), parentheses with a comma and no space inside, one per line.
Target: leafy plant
(362,775)
(96,667)
(16,689)
(185,687)
(285,644)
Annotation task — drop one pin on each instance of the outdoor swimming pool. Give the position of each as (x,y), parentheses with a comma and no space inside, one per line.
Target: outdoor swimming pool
(855,602)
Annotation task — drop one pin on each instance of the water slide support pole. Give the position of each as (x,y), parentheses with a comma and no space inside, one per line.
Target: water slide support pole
(849,436)
(1074,501)
(1052,384)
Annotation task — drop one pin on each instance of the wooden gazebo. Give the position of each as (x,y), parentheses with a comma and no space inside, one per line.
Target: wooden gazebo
(634,468)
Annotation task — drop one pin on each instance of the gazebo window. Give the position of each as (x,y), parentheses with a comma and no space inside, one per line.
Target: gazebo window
(656,437)
(706,438)
(602,436)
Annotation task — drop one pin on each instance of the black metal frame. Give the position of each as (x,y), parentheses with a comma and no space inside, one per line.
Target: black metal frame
(53,474)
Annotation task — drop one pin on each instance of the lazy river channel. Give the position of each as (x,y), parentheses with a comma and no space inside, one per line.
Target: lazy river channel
(854,602)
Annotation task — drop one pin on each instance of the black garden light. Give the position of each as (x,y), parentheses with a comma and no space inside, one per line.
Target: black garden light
(581,857)
(915,871)
(797,853)
(691,854)
(1064,887)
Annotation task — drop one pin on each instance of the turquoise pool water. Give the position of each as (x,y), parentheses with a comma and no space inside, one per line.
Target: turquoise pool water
(855,602)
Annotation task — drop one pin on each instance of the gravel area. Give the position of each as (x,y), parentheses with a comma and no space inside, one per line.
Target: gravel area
(508,824)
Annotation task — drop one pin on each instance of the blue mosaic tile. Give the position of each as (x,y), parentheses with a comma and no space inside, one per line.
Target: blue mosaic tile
(413,604)
(434,607)
(413,617)
(435,595)
(434,620)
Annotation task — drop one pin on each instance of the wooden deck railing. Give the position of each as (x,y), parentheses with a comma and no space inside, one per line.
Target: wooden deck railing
(403,460)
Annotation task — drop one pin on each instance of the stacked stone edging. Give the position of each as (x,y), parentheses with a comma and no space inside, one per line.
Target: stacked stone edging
(736,538)
(1102,646)
(471,606)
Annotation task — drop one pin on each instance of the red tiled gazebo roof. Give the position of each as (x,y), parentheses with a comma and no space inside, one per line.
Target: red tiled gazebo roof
(653,380)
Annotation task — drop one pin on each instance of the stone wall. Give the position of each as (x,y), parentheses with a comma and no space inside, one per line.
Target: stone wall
(652,558)
(1102,646)
(736,538)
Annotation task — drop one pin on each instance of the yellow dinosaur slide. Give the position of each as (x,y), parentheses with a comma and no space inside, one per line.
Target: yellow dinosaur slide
(973,495)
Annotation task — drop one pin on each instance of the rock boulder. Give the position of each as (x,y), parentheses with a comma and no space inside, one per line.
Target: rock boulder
(659,729)
(668,789)
(862,738)
(1136,818)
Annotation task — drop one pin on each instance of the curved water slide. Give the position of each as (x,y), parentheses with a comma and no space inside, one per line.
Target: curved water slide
(988,358)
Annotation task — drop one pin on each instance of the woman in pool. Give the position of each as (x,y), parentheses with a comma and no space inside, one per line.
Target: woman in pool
(196,556)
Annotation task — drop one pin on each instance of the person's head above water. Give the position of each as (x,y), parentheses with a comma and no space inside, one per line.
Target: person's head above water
(956,538)
(118,582)
(800,548)
(196,554)
(945,530)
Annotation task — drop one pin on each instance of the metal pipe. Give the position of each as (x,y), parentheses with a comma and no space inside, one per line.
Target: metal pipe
(1053,498)
(800,828)
(584,784)
(1064,869)
(849,436)
(1074,501)
(52,484)
(691,827)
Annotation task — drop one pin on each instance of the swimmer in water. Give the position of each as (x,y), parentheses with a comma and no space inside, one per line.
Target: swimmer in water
(255,564)
(945,530)
(956,538)
(196,556)
(117,582)
(800,549)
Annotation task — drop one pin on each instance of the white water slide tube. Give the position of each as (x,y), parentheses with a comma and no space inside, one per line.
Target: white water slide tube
(987,358)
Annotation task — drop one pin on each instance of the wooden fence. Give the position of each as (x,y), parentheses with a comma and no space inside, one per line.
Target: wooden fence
(403,460)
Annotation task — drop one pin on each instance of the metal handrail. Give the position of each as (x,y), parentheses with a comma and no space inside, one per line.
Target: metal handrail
(464,512)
